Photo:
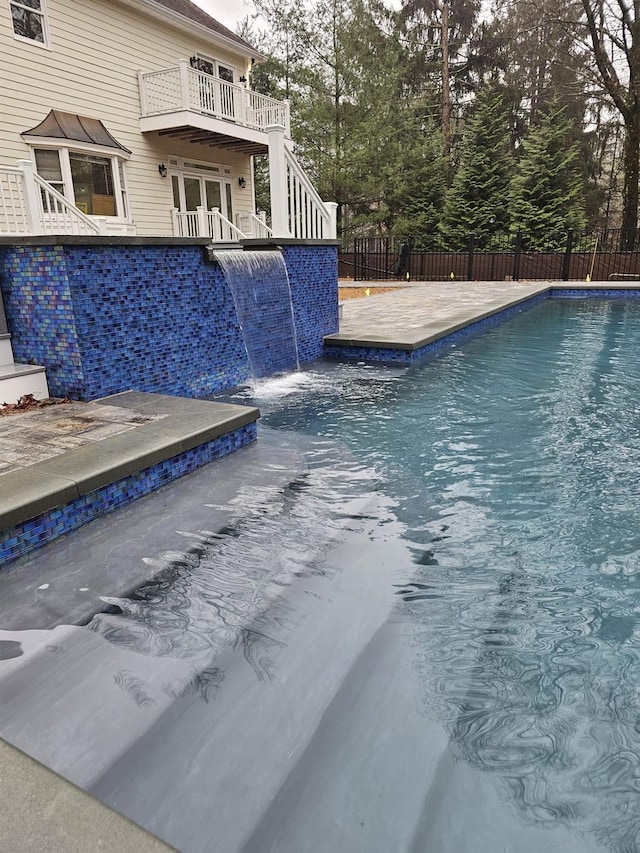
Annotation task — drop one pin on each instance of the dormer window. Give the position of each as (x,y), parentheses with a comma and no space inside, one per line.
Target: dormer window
(29,19)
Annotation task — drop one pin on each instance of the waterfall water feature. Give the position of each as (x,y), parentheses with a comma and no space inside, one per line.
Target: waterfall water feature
(261,293)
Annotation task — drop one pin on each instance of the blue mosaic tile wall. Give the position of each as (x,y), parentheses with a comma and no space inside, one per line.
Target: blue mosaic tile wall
(53,524)
(313,277)
(104,319)
(154,318)
(40,315)
(401,356)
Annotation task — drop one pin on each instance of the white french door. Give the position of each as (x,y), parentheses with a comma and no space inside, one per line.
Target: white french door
(192,191)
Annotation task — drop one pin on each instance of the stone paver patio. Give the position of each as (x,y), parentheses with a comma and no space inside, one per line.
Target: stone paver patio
(421,312)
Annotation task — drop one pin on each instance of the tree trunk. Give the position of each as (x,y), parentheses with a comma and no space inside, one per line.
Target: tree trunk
(630,190)
(446,86)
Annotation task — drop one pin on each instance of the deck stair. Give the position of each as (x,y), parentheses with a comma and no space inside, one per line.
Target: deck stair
(16,380)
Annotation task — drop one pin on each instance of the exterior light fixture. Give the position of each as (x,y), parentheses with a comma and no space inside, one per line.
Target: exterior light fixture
(242,183)
(162,170)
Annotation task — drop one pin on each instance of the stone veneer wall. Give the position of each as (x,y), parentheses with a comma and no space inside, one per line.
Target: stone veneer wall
(105,317)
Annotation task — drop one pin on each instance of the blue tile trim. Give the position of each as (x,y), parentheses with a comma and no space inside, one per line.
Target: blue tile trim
(605,293)
(50,525)
(407,357)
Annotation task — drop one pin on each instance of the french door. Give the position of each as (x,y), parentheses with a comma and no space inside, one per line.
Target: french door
(193,191)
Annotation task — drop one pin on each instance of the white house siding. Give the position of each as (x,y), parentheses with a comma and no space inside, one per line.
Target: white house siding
(97,47)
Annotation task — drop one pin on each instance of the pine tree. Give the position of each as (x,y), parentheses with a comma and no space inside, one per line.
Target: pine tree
(477,201)
(415,193)
(546,196)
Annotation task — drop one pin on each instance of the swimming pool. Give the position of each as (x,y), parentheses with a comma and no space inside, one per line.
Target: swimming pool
(418,632)
(515,464)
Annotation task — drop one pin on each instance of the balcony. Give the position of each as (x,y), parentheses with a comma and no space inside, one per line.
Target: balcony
(186,103)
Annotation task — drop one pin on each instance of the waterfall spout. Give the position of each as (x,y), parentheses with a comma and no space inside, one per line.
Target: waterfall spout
(259,284)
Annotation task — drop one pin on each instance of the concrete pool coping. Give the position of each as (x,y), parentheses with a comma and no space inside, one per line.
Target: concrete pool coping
(43,811)
(430,310)
(54,482)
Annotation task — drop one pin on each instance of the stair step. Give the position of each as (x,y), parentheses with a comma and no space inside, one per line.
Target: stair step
(6,353)
(16,380)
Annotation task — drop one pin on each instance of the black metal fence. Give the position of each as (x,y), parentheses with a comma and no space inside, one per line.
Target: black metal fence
(603,255)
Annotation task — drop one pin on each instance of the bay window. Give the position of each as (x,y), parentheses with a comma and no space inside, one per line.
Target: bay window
(94,183)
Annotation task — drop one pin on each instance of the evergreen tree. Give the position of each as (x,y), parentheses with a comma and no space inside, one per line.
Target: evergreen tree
(546,196)
(415,195)
(477,201)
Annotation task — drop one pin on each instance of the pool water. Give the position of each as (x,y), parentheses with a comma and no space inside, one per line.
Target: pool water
(515,465)
(407,620)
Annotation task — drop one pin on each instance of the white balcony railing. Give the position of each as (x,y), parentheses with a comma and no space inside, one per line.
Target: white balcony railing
(14,218)
(186,88)
(205,223)
(29,205)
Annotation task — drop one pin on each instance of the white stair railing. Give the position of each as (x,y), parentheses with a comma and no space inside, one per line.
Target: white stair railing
(29,205)
(205,223)
(296,208)
(59,216)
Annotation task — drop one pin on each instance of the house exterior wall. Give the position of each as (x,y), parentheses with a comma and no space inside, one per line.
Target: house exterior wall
(96,50)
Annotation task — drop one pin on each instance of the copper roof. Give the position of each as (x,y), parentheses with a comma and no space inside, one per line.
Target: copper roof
(59,125)
(195,13)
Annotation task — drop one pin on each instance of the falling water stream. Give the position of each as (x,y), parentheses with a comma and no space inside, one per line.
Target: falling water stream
(259,284)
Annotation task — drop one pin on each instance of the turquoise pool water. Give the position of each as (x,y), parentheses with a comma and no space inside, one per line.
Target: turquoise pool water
(515,464)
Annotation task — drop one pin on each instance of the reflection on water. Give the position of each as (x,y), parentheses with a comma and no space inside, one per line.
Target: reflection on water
(516,464)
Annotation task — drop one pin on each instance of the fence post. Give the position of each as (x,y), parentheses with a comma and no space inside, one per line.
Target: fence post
(566,263)
(516,259)
(470,249)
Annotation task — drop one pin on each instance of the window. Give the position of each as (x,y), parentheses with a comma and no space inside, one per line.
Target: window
(96,184)
(48,167)
(93,185)
(30,21)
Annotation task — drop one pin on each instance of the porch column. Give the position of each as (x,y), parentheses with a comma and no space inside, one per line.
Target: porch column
(201,213)
(278,182)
